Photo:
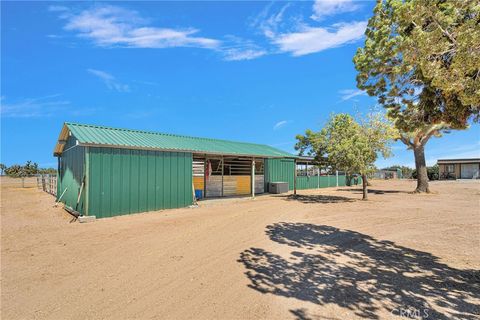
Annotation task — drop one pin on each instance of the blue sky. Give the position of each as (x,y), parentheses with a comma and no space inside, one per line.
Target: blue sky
(250,71)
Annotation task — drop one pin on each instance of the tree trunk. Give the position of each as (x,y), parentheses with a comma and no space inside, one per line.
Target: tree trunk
(420,165)
(364,185)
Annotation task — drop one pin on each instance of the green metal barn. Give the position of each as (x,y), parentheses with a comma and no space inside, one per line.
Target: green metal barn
(106,172)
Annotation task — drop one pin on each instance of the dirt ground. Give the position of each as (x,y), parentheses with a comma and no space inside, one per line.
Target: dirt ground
(322,255)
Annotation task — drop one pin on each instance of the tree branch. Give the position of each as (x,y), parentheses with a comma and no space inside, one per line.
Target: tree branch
(406,140)
(445,32)
(434,129)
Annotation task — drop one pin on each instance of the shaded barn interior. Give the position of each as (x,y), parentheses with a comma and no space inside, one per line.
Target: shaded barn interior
(219,176)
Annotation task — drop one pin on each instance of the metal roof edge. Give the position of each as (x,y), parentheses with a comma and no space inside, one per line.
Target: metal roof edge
(94,145)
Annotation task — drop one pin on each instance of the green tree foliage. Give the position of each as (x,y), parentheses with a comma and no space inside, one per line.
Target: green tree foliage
(47,171)
(446,37)
(30,168)
(421,58)
(15,171)
(349,145)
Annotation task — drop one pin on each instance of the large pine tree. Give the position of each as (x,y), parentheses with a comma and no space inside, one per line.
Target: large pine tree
(421,58)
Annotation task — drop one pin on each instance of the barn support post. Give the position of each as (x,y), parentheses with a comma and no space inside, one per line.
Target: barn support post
(59,177)
(295,176)
(87,179)
(253,178)
(205,177)
(223,165)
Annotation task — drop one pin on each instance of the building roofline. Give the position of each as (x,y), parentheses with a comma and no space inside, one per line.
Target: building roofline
(460,160)
(166,134)
(68,126)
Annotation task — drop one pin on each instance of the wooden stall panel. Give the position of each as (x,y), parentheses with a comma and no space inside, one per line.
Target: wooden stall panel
(229,185)
(243,185)
(259,184)
(214,186)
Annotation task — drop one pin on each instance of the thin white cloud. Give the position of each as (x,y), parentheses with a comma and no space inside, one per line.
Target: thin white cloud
(348,94)
(110,81)
(280,124)
(269,23)
(114,26)
(108,26)
(34,107)
(237,54)
(324,8)
(292,34)
(57,8)
(310,40)
(240,49)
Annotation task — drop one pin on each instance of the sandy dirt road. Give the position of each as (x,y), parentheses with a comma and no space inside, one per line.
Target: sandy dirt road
(322,255)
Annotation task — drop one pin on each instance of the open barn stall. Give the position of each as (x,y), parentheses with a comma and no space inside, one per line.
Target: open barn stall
(222,176)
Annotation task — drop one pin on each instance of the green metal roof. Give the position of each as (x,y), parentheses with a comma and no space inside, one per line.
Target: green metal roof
(92,135)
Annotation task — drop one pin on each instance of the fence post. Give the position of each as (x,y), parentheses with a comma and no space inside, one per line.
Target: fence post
(336,173)
(318,177)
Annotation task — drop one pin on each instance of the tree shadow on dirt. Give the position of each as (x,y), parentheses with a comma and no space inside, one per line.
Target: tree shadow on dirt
(317,198)
(304,314)
(374,191)
(360,273)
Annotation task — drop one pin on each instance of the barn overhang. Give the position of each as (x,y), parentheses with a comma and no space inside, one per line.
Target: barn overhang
(61,141)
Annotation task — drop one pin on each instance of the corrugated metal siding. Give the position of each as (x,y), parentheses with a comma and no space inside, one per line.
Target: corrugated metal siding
(124,181)
(279,170)
(71,174)
(313,182)
(304,182)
